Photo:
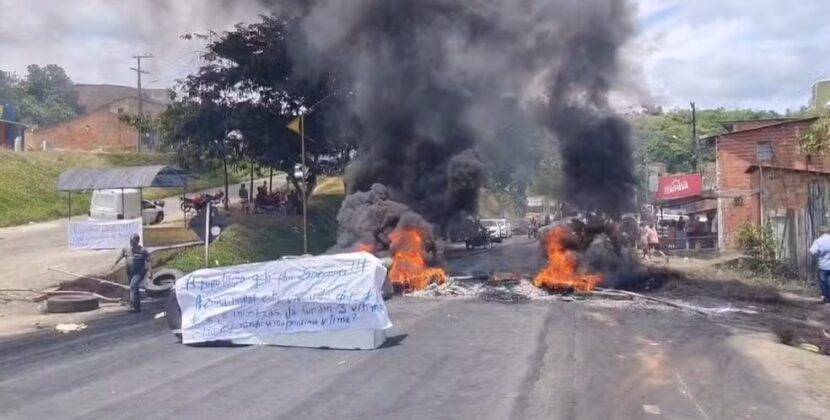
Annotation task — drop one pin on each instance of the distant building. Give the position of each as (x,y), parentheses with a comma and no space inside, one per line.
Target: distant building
(762,177)
(820,95)
(99,128)
(92,97)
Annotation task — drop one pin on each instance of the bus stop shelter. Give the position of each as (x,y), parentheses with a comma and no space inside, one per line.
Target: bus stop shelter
(138,177)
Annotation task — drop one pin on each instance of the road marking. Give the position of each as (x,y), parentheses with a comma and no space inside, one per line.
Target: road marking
(685,391)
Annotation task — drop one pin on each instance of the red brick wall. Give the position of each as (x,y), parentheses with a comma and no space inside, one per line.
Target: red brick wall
(736,152)
(100,130)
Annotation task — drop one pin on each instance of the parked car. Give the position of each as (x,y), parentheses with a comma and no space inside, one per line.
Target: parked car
(120,204)
(498,228)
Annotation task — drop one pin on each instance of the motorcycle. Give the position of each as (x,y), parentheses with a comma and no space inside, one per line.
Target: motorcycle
(198,202)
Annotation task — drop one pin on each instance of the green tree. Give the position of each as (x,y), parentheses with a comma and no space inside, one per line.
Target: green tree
(816,141)
(45,96)
(248,86)
(667,137)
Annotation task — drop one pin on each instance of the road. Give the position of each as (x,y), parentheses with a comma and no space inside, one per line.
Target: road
(445,359)
(26,252)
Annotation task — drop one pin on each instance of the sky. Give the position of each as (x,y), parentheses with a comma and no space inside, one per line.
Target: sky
(762,54)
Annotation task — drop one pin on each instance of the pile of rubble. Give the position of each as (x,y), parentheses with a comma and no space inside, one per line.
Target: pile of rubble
(499,287)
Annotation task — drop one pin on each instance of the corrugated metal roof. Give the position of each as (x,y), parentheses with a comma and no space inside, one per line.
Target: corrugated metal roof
(160,176)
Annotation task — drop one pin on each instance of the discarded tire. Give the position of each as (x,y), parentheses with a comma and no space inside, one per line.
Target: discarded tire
(71,303)
(163,280)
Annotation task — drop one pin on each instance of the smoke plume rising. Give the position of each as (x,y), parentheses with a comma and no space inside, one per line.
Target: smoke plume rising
(443,90)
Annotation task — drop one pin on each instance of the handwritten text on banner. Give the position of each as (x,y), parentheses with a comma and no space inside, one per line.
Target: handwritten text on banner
(328,292)
(92,234)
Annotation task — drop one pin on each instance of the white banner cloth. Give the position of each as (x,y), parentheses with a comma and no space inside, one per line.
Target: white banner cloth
(96,234)
(327,292)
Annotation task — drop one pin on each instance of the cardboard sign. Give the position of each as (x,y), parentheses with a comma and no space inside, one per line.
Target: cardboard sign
(679,186)
(96,234)
(324,293)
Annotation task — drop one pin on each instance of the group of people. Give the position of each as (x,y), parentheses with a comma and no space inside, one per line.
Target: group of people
(283,200)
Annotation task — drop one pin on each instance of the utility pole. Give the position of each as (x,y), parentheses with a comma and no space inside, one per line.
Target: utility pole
(139,72)
(695,139)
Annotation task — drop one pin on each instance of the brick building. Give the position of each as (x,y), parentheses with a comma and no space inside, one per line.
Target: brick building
(762,176)
(98,130)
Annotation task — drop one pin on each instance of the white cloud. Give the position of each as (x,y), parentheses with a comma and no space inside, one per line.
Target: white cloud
(95,39)
(733,53)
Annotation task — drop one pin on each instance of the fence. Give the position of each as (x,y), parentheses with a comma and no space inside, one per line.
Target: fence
(794,229)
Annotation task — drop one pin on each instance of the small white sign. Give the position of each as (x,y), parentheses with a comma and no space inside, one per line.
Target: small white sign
(96,234)
(324,293)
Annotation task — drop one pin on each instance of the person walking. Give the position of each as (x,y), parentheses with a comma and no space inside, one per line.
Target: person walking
(138,264)
(821,250)
(243,198)
(643,240)
(654,242)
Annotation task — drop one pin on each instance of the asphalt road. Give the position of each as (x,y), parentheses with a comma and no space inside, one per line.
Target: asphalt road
(445,359)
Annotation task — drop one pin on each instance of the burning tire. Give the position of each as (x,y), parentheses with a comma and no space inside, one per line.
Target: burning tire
(71,303)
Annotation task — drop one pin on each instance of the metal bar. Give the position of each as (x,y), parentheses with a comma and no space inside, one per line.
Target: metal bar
(207,232)
(305,185)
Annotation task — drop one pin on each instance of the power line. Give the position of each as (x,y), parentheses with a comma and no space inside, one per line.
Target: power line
(139,72)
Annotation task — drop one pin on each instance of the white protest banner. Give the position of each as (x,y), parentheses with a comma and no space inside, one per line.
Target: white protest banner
(328,292)
(99,234)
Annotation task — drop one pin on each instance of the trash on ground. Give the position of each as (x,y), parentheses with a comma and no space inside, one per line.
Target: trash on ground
(651,409)
(70,327)
(809,347)
(160,315)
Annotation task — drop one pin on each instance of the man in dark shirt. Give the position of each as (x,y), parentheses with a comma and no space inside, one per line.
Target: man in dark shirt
(243,198)
(138,262)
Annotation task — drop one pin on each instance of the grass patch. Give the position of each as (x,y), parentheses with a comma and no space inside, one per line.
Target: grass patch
(28,180)
(264,237)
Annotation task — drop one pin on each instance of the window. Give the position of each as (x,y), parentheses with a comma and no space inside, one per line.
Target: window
(764,151)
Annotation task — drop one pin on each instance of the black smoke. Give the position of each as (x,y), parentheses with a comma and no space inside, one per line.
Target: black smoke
(442,90)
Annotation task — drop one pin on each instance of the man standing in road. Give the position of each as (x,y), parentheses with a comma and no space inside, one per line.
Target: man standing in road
(243,198)
(138,262)
(821,249)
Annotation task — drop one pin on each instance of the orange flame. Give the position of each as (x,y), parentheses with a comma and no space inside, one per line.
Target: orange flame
(409,268)
(364,247)
(560,272)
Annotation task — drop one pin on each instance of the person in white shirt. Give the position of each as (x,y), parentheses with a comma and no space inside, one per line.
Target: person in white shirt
(821,250)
